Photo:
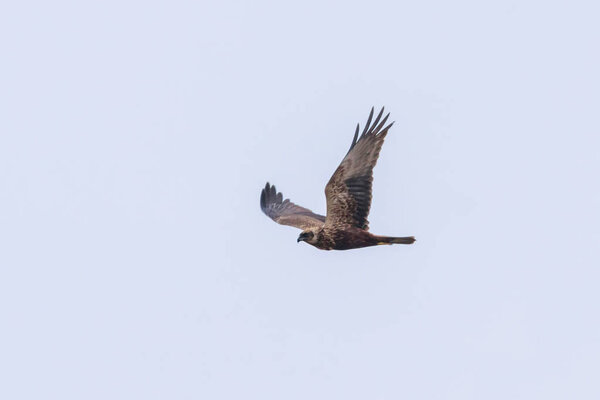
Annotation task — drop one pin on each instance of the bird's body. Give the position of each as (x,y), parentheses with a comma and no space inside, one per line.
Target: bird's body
(348,196)
(350,237)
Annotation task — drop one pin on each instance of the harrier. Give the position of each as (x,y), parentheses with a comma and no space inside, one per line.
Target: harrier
(348,196)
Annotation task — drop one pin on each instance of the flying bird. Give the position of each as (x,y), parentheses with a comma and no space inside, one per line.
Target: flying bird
(348,195)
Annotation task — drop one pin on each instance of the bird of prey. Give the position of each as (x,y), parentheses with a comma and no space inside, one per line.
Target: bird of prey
(348,195)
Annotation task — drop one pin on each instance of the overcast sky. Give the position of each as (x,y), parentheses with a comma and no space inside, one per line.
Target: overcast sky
(135,262)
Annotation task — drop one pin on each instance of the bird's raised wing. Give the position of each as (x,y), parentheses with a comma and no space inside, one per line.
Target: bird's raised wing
(285,212)
(348,192)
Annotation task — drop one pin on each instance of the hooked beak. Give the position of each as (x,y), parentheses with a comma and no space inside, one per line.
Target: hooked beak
(300,239)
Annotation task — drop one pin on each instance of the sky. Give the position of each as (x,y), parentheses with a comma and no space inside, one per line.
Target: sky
(135,262)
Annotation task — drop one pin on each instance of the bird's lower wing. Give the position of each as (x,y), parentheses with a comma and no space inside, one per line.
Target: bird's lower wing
(285,212)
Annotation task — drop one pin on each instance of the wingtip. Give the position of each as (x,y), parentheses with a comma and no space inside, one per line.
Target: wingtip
(355,138)
(368,124)
(263,200)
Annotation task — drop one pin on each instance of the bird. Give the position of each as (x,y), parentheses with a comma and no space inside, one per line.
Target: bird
(348,195)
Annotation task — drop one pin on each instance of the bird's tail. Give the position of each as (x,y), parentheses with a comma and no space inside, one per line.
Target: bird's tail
(394,240)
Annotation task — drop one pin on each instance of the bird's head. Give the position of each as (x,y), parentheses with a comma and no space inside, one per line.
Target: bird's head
(308,236)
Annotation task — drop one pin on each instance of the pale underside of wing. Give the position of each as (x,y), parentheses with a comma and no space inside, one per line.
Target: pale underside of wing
(348,192)
(287,213)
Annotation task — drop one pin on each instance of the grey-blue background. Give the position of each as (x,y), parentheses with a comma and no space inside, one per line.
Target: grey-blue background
(135,262)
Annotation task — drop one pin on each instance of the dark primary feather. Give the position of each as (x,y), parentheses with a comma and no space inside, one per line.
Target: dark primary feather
(349,189)
(285,212)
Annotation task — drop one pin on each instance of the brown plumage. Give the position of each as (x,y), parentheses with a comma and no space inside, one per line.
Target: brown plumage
(348,196)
